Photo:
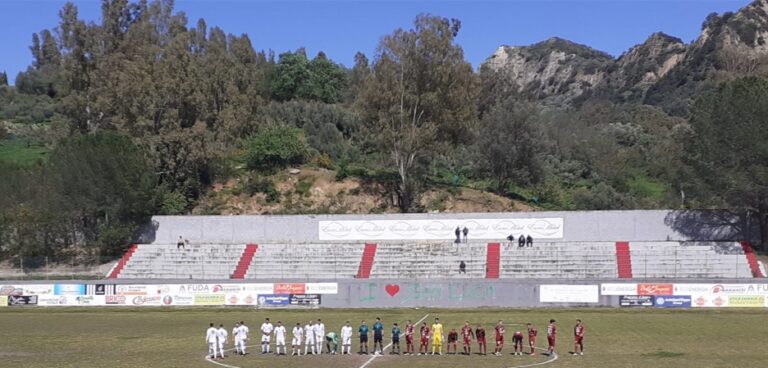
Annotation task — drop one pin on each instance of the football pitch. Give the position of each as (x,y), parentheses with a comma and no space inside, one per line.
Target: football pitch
(118,337)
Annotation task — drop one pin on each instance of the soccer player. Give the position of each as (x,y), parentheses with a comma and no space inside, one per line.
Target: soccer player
(482,346)
(346,339)
(310,338)
(499,338)
(298,332)
(424,338)
(245,332)
(467,335)
(532,337)
(332,340)
(395,339)
(551,336)
(280,338)
(578,334)
(409,338)
(320,334)
(453,341)
(266,335)
(437,337)
(378,337)
(221,337)
(363,333)
(517,342)
(236,337)
(211,337)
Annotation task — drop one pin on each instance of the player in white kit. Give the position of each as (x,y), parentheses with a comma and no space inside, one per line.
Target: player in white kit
(210,338)
(346,339)
(280,338)
(236,337)
(319,335)
(266,334)
(221,334)
(309,338)
(298,332)
(244,333)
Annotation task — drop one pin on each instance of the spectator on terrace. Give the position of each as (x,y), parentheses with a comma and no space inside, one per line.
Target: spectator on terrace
(465,231)
(529,241)
(180,244)
(462,267)
(511,239)
(521,241)
(458,234)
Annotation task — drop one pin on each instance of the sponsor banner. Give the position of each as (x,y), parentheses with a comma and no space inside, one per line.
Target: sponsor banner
(538,228)
(140,300)
(69,289)
(100,289)
(654,289)
(128,290)
(289,288)
(721,289)
(20,300)
(274,300)
(115,300)
(618,289)
(322,288)
(305,299)
(179,300)
(33,289)
(258,288)
(673,301)
(709,300)
(691,289)
(241,299)
(3,301)
(568,294)
(746,301)
(209,299)
(636,301)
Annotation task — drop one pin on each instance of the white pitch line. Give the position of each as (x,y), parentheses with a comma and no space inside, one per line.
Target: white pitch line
(388,345)
(208,358)
(551,359)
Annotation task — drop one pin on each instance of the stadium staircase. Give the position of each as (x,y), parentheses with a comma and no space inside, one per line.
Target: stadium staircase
(689,260)
(623,260)
(366,263)
(245,261)
(121,263)
(754,266)
(492,261)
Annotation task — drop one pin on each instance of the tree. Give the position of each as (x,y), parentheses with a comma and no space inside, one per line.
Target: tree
(727,150)
(275,148)
(3,78)
(509,145)
(420,96)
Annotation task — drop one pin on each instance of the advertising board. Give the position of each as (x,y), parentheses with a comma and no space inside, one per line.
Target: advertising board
(538,228)
(618,289)
(568,294)
(22,300)
(305,299)
(673,301)
(271,300)
(636,301)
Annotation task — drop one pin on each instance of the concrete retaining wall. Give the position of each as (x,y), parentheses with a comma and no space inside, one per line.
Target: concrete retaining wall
(577,226)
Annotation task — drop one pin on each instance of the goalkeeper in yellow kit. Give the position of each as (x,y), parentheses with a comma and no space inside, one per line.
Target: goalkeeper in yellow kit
(437,337)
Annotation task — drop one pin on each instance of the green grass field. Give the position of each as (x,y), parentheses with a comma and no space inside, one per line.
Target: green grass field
(116,337)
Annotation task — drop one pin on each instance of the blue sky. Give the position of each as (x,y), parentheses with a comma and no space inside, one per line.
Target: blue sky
(341,28)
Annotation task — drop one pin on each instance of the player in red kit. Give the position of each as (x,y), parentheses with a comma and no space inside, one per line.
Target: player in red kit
(517,342)
(481,344)
(424,338)
(467,335)
(453,341)
(532,337)
(499,338)
(551,336)
(409,338)
(578,338)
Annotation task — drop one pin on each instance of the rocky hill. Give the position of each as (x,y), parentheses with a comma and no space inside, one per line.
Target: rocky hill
(661,71)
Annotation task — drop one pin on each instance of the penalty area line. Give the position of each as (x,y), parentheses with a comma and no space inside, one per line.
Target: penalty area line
(388,345)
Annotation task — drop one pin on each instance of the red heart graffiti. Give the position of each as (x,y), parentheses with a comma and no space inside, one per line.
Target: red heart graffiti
(392,289)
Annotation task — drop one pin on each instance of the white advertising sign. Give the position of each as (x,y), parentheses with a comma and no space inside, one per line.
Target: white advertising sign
(322,288)
(618,289)
(568,294)
(499,229)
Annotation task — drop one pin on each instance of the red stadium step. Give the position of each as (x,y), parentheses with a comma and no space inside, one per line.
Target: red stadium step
(366,263)
(752,260)
(492,261)
(245,261)
(623,260)
(121,263)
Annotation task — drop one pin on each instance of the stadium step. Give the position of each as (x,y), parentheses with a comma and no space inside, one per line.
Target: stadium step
(752,260)
(245,261)
(121,263)
(623,260)
(493,259)
(366,263)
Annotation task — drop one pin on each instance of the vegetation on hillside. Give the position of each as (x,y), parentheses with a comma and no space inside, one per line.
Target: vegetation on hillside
(144,114)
